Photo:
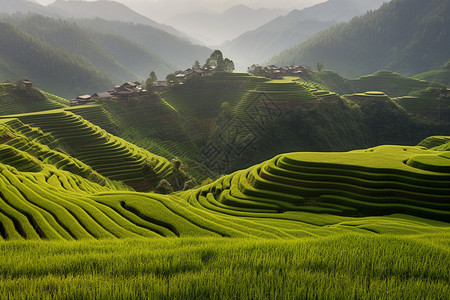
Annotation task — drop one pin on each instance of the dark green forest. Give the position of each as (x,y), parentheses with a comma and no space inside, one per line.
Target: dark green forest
(405,36)
(93,55)
(55,69)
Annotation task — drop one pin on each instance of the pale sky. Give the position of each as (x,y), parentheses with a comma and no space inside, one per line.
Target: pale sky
(160,10)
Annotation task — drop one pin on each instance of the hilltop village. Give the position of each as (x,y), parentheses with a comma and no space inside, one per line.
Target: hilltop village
(134,88)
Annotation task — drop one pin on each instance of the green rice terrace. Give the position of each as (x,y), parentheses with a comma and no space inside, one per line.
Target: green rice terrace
(80,216)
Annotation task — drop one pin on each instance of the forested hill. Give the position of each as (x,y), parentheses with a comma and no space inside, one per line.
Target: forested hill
(173,49)
(406,36)
(86,60)
(110,53)
(22,55)
(97,9)
(259,45)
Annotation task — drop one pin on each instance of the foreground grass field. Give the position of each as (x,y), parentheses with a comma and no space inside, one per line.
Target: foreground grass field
(350,266)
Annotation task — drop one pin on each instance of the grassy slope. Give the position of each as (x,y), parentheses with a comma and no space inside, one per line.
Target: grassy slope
(438,76)
(427,100)
(18,100)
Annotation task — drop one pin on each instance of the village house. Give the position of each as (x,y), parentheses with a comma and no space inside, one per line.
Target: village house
(274,72)
(101,96)
(27,84)
(182,76)
(80,100)
(125,90)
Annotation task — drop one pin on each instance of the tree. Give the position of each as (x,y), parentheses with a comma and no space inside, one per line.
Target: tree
(320,66)
(170,79)
(228,65)
(153,76)
(196,65)
(149,83)
(215,60)
(164,187)
(222,65)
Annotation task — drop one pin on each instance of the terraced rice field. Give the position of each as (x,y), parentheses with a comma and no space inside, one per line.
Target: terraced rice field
(365,224)
(13,100)
(393,84)
(108,155)
(292,195)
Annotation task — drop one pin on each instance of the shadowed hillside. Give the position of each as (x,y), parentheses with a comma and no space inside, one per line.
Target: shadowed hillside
(258,45)
(49,65)
(406,36)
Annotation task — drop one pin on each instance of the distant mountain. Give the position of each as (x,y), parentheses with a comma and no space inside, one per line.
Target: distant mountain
(70,37)
(112,58)
(283,32)
(177,51)
(133,55)
(51,68)
(23,6)
(214,29)
(121,58)
(339,10)
(108,10)
(405,36)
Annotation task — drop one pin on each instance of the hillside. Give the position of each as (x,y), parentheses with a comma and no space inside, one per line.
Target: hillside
(439,76)
(113,54)
(116,12)
(157,41)
(237,120)
(23,6)
(110,56)
(66,35)
(52,69)
(14,99)
(110,156)
(405,36)
(258,45)
(425,100)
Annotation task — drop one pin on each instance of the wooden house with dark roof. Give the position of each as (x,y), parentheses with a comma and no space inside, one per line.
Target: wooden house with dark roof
(27,84)
(101,96)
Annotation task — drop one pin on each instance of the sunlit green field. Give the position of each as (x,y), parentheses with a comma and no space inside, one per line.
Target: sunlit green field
(350,266)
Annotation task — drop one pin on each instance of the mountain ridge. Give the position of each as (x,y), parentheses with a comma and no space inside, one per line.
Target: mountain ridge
(406,36)
(258,45)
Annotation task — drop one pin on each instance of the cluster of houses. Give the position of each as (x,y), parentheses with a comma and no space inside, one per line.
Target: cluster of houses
(133,88)
(182,76)
(275,72)
(124,91)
